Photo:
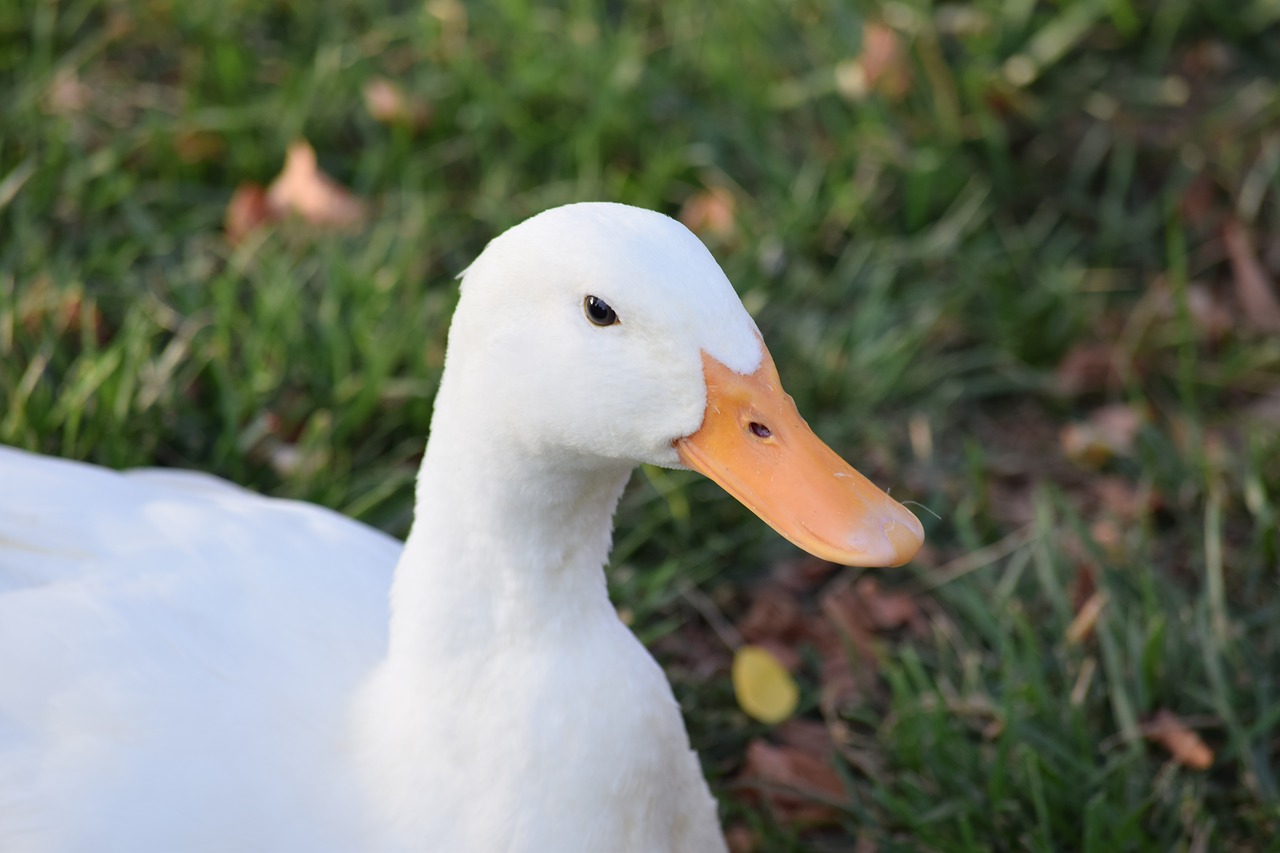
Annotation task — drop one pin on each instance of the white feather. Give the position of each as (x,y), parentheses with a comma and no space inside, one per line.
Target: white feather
(185,665)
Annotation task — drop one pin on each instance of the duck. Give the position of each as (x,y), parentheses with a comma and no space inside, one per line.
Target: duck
(188,665)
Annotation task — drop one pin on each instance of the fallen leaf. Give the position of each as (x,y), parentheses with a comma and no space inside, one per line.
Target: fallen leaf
(1088,368)
(247,210)
(843,683)
(1086,618)
(67,94)
(1266,409)
(803,574)
(1212,316)
(880,67)
(389,104)
(741,838)
(1108,432)
(888,611)
(1198,202)
(1254,288)
(1108,535)
(710,212)
(808,736)
(1186,747)
(847,612)
(774,615)
(764,688)
(303,189)
(847,627)
(1086,584)
(800,789)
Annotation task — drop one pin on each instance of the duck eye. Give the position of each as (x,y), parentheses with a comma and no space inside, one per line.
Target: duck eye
(599,312)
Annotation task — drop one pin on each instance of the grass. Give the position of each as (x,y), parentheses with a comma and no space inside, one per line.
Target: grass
(1050,176)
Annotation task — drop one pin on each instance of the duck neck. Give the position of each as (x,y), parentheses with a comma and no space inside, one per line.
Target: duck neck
(508,543)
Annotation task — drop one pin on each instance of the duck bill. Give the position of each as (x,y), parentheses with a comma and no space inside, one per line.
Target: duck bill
(755,445)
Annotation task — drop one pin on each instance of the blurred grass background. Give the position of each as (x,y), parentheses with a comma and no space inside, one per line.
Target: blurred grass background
(965,229)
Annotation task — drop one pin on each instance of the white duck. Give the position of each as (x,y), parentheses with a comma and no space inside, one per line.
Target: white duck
(185,665)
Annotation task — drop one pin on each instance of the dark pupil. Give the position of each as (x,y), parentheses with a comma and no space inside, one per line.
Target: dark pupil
(600,312)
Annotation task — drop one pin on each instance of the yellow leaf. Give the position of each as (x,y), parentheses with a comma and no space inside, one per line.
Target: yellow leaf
(764,688)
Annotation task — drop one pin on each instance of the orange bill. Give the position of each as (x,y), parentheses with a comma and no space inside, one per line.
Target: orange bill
(754,443)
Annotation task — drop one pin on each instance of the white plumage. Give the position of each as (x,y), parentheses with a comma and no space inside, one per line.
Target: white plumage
(185,665)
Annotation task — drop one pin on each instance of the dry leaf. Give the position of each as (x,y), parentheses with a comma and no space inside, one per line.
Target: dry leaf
(847,624)
(881,67)
(741,839)
(1254,288)
(246,211)
(888,611)
(808,736)
(710,212)
(1086,618)
(1198,203)
(803,574)
(1266,409)
(389,104)
(1109,431)
(1186,747)
(308,192)
(301,189)
(1212,316)
(66,95)
(764,688)
(1088,368)
(798,787)
(774,615)
(1122,498)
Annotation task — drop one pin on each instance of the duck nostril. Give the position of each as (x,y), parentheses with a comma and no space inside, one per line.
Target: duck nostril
(759,430)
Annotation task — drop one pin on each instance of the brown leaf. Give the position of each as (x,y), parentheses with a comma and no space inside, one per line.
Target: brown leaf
(1266,409)
(1085,585)
(1186,747)
(1211,314)
(1122,498)
(888,611)
(1088,368)
(843,683)
(799,788)
(303,189)
(774,615)
(710,212)
(247,210)
(803,574)
(847,625)
(741,839)
(882,66)
(808,736)
(1254,288)
(67,94)
(1198,203)
(389,104)
(883,60)
(1109,431)
(847,612)
(1086,618)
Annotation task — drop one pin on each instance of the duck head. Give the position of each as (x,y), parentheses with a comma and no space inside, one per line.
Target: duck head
(601,333)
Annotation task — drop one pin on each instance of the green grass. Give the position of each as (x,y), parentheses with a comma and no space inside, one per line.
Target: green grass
(932,257)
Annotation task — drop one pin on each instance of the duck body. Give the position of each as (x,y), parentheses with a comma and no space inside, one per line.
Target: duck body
(178,656)
(185,665)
